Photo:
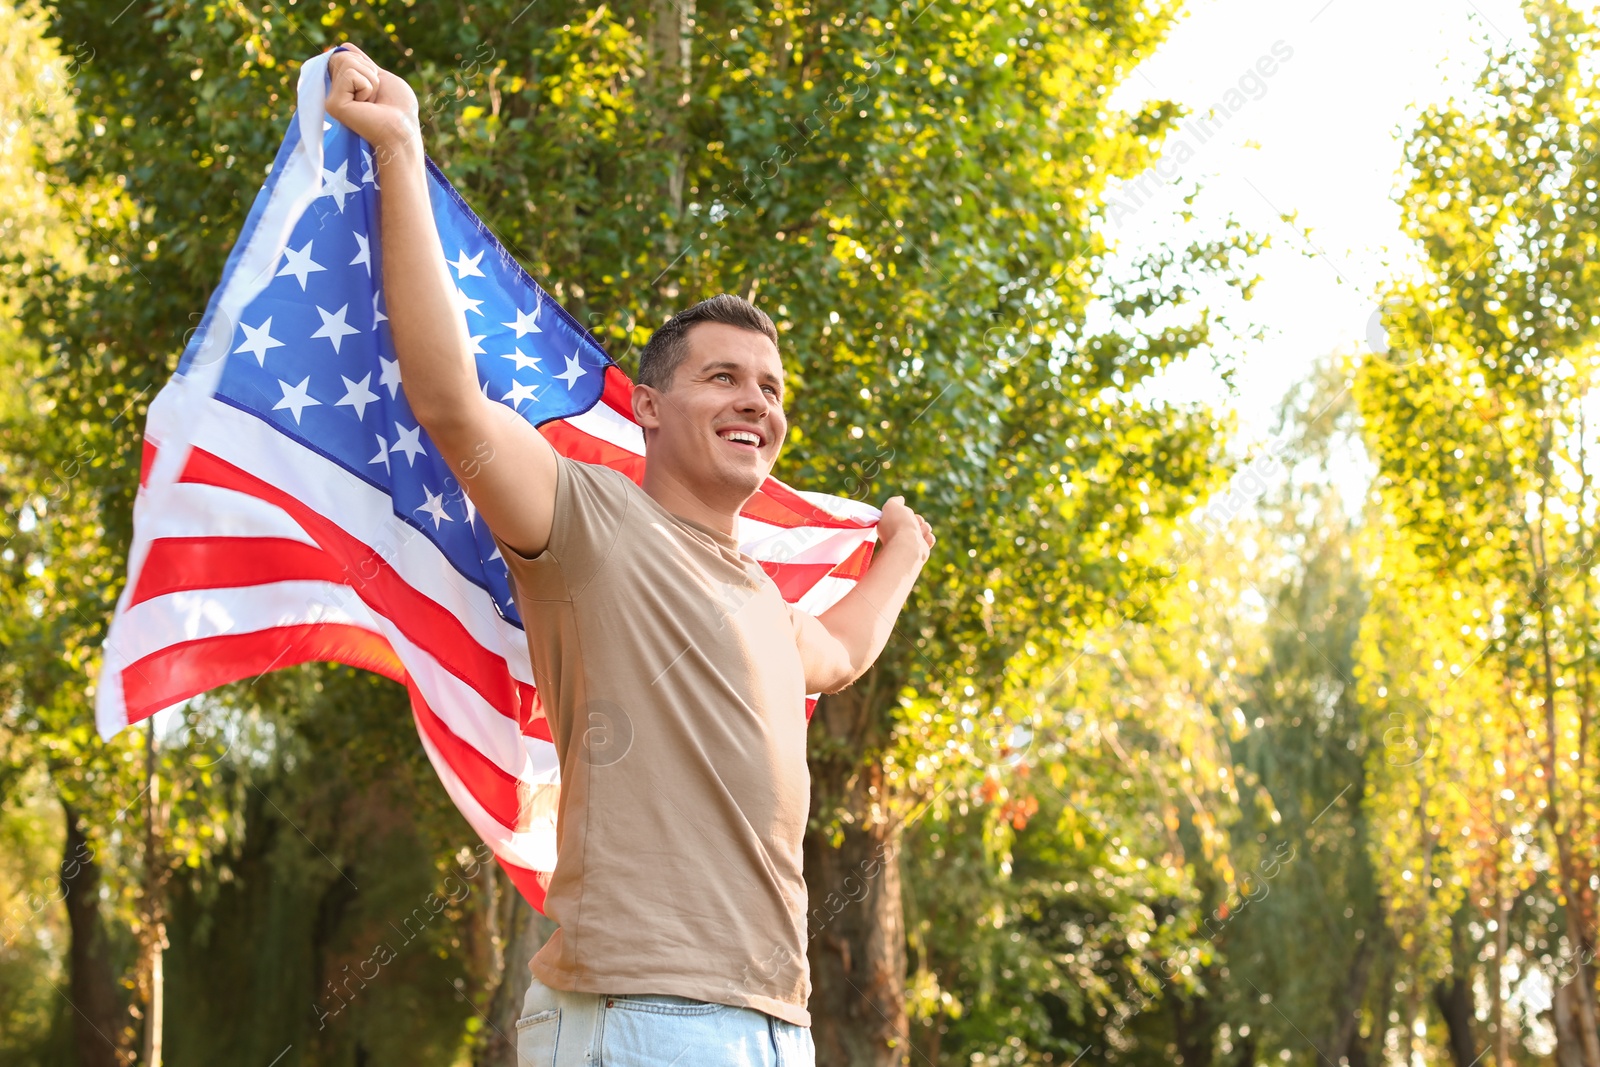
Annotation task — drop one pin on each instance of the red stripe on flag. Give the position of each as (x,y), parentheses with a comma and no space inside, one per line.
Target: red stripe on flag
(178,564)
(795,580)
(527,883)
(424,621)
(587,448)
(855,564)
(488,783)
(779,505)
(147,459)
(618,392)
(531,717)
(189,668)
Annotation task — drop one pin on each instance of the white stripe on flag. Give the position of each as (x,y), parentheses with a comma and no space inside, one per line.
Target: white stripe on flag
(191,510)
(534,848)
(366,514)
(177,618)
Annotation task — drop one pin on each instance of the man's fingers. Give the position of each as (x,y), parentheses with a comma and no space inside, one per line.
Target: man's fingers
(359,75)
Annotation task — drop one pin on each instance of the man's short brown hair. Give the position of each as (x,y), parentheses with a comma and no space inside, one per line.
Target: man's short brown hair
(669,345)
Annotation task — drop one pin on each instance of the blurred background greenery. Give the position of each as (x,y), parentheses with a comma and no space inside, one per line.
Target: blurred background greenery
(1184,751)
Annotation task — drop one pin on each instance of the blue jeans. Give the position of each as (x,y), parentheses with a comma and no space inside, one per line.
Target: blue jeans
(563,1029)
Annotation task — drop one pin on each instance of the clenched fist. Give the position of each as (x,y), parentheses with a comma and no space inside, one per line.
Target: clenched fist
(369,101)
(900,527)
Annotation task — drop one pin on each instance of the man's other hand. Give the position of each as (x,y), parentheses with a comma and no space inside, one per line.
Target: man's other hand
(854,630)
(903,529)
(369,101)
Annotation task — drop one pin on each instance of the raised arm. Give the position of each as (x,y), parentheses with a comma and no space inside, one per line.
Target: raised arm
(505,465)
(853,632)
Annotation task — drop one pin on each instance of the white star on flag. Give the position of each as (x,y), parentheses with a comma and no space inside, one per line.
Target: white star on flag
(466,303)
(258,339)
(409,443)
(435,507)
(336,185)
(296,399)
(525,323)
(519,393)
(364,256)
(467,268)
(477,349)
(377,316)
(573,372)
(357,395)
(523,362)
(391,374)
(299,264)
(333,327)
(369,176)
(383,452)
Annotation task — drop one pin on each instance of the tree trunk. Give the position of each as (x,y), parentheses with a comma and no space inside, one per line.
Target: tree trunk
(524,932)
(1502,941)
(856,926)
(1454,1001)
(99,1020)
(857,949)
(671,37)
(1347,1005)
(1372,1048)
(1569,1037)
(155,926)
(1194,1029)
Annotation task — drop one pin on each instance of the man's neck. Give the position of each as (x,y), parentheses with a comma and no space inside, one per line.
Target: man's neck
(682,501)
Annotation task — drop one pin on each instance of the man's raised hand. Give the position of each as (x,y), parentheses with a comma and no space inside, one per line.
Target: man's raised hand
(373,104)
(506,466)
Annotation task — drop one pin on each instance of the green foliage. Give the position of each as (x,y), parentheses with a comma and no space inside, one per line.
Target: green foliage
(916,198)
(1476,655)
(32,928)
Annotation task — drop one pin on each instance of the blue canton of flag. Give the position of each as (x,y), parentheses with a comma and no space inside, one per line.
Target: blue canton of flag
(313,356)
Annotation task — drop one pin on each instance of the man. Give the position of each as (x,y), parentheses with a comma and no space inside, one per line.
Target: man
(671,670)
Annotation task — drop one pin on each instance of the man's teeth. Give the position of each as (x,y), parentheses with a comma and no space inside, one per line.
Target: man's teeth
(743,436)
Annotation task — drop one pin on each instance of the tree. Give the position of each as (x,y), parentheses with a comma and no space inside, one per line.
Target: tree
(1477,655)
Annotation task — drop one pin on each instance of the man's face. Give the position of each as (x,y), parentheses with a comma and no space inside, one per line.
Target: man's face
(721,426)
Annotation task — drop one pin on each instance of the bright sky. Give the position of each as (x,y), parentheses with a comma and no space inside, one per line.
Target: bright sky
(1317,138)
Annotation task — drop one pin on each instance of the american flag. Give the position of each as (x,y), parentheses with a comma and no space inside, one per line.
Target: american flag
(292,510)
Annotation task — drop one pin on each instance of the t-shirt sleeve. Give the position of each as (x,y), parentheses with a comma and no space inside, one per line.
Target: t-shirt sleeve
(816,646)
(591,505)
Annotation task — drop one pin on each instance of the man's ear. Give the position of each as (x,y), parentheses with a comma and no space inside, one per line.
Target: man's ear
(646,406)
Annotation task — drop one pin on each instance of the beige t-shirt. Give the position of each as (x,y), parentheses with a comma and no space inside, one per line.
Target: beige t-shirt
(669,667)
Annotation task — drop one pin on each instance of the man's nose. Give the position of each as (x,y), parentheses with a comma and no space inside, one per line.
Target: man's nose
(752,399)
